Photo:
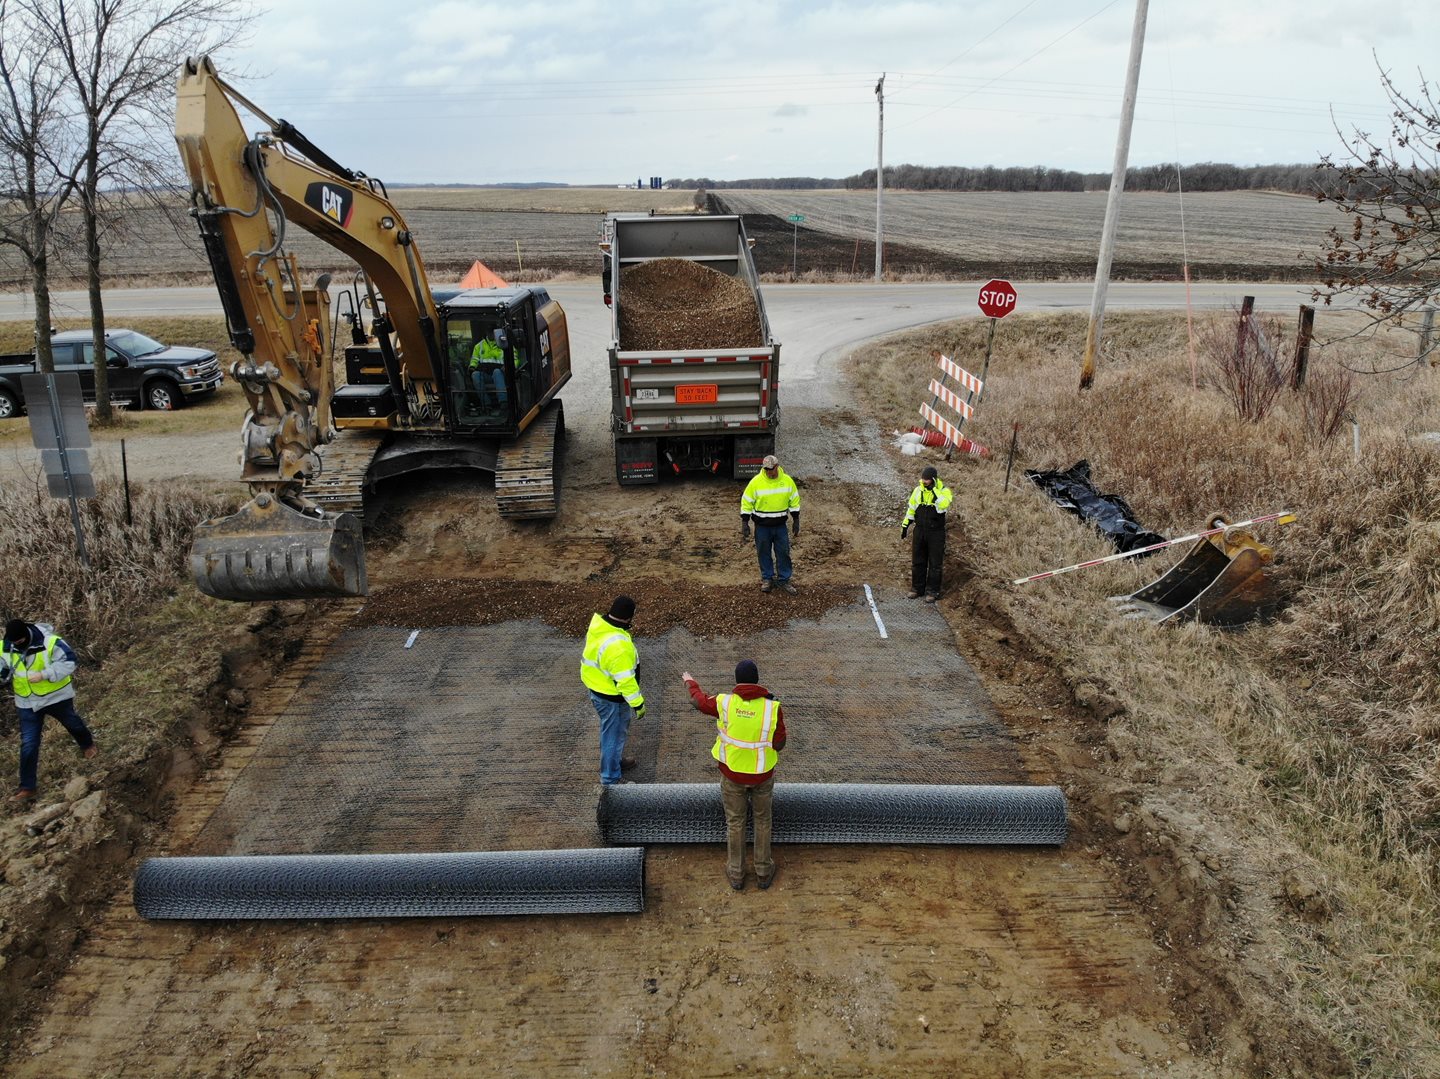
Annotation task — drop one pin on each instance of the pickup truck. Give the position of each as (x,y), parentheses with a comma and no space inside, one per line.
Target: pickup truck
(142,371)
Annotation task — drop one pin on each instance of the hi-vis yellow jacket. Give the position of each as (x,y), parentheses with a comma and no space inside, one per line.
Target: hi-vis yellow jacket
(745,742)
(770,500)
(609,661)
(927,507)
(16,664)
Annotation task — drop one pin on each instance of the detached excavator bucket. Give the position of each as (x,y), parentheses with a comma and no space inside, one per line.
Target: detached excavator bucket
(268,550)
(1222,581)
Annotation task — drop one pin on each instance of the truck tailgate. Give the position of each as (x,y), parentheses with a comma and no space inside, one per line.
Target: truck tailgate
(695,391)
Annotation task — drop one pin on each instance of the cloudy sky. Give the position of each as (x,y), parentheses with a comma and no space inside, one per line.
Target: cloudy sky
(584,92)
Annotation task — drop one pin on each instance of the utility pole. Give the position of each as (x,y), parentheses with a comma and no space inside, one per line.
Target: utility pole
(1112,204)
(880,183)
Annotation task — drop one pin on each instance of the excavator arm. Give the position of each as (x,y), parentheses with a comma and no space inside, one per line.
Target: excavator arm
(245,192)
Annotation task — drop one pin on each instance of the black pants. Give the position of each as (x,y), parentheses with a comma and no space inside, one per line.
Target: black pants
(927,559)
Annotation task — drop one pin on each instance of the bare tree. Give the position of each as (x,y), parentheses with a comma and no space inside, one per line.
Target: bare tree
(37,162)
(1388,256)
(123,58)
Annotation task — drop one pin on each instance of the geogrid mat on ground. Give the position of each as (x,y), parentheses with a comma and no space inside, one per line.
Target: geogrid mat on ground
(482,738)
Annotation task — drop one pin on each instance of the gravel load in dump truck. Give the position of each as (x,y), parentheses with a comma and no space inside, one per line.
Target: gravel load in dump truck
(674,303)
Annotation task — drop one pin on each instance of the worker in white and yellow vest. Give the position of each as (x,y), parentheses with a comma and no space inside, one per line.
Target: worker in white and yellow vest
(608,670)
(39,666)
(770,497)
(750,728)
(926,512)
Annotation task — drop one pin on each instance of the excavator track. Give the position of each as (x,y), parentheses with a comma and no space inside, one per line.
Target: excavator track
(340,487)
(526,484)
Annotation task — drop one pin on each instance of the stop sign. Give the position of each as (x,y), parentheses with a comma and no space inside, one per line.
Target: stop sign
(997,298)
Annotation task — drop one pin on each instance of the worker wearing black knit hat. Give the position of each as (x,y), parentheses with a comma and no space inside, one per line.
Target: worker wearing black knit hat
(607,668)
(926,511)
(750,734)
(38,664)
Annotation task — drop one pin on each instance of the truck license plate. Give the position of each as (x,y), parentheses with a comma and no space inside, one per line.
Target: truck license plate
(697,395)
(647,395)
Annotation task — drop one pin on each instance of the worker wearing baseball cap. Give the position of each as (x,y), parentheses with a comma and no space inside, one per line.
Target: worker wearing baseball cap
(770,497)
(607,668)
(750,734)
(926,511)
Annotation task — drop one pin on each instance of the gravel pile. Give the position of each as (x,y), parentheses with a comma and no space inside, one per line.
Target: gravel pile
(679,304)
(706,611)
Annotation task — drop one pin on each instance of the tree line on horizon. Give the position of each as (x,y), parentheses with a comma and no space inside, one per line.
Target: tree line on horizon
(1203,176)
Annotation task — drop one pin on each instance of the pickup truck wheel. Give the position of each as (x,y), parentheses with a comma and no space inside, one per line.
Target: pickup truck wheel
(163,395)
(9,407)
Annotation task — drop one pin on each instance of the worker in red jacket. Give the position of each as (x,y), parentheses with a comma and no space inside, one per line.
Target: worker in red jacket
(750,734)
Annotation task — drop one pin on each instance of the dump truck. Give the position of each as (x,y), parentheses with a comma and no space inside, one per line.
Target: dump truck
(694,370)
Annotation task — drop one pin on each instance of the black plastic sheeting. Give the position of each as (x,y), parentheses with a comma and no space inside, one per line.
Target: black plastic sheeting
(597,881)
(842,813)
(1074,492)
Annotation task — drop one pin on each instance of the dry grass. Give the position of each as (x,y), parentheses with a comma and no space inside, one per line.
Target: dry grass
(133,566)
(1311,747)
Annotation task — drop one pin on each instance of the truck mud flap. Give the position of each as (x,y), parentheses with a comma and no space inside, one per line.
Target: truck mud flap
(269,551)
(636,461)
(843,813)
(750,450)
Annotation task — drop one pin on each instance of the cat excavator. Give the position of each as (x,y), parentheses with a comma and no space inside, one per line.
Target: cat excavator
(449,378)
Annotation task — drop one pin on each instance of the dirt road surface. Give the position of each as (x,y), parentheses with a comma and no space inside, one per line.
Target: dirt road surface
(931,961)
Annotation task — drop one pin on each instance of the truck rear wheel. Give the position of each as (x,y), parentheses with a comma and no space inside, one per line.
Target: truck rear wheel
(9,407)
(162,395)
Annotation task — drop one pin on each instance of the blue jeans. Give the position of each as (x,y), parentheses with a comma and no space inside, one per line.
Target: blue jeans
(32,728)
(776,535)
(614,728)
(490,385)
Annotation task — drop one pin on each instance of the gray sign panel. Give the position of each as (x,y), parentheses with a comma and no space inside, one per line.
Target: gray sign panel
(80,475)
(73,427)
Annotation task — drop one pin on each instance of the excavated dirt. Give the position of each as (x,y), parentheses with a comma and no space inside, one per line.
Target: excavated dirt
(660,606)
(679,304)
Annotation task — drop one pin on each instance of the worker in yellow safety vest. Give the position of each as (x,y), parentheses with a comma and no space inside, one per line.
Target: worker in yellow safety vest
(750,728)
(38,664)
(926,511)
(770,497)
(487,370)
(607,669)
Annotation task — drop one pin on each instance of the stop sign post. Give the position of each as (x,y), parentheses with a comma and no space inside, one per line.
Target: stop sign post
(997,299)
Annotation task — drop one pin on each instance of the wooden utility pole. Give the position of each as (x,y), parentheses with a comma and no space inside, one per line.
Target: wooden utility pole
(880,183)
(1112,204)
(1304,333)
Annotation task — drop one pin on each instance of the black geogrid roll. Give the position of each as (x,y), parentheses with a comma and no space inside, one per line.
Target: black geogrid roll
(599,881)
(842,813)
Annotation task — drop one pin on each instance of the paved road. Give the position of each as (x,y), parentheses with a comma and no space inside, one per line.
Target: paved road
(816,325)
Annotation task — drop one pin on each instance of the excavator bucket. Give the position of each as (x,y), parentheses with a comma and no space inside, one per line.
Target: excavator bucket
(1222,581)
(268,551)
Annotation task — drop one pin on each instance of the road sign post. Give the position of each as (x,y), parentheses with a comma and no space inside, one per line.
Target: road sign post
(59,431)
(795,220)
(996,300)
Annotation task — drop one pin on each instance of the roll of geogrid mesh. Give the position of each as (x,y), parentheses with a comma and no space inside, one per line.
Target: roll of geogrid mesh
(842,813)
(600,881)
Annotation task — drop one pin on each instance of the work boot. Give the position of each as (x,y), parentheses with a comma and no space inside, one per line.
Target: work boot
(22,796)
(765,586)
(932,597)
(912,595)
(627,763)
(89,751)
(789,588)
(765,882)
(738,883)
